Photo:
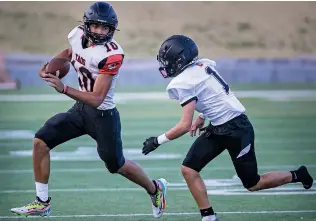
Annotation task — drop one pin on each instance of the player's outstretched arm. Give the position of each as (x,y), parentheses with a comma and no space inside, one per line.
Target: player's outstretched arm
(65,54)
(185,123)
(177,131)
(94,98)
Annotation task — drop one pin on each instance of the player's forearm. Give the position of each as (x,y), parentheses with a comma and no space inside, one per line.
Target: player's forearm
(179,130)
(89,98)
(66,54)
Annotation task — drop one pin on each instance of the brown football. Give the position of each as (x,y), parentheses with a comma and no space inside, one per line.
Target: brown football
(58,66)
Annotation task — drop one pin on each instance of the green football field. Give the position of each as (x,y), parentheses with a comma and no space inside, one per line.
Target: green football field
(82,189)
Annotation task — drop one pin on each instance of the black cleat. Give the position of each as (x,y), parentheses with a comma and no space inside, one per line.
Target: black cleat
(305,177)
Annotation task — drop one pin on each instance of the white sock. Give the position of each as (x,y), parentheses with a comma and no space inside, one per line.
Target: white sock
(209,218)
(42,191)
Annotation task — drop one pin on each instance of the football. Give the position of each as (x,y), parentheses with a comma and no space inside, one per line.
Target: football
(58,66)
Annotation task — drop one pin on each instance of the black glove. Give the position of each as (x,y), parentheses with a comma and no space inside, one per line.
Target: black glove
(150,144)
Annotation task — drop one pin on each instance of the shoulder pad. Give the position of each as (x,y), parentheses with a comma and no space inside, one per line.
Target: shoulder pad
(206,62)
(103,51)
(77,31)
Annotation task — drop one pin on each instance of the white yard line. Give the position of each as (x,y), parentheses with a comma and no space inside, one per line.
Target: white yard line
(182,186)
(89,153)
(304,145)
(154,96)
(163,169)
(89,190)
(166,214)
(228,193)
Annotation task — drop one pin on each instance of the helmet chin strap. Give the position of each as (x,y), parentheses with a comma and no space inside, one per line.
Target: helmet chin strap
(90,42)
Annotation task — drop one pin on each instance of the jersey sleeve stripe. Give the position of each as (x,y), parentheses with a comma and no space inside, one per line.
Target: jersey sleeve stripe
(189,101)
(111,64)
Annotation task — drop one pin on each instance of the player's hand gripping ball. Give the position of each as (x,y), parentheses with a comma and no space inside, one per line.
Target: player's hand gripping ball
(58,67)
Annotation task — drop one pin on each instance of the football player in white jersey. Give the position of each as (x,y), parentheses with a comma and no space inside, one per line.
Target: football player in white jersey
(196,85)
(97,59)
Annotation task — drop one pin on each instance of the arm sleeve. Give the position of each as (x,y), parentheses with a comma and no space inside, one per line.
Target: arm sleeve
(111,64)
(182,95)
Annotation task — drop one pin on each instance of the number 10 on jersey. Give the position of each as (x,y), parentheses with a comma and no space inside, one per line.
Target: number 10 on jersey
(85,78)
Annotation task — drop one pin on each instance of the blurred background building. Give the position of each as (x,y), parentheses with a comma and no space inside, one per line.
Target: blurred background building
(251,41)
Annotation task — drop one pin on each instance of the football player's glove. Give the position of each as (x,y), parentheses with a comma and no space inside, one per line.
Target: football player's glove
(150,144)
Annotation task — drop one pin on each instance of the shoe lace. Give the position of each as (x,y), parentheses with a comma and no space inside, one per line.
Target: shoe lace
(34,203)
(156,198)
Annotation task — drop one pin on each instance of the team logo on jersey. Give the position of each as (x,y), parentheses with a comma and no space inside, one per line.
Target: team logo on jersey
(199,64)
(113,65)
(80,59)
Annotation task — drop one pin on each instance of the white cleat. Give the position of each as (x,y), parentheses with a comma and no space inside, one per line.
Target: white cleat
(159,199)
(210,218)
(35,208)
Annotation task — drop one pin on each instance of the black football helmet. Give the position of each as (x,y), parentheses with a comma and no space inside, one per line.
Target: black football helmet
(175,54)
(99,13)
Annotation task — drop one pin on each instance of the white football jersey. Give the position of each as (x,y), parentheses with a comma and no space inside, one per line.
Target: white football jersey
(214,99)
(92,61)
